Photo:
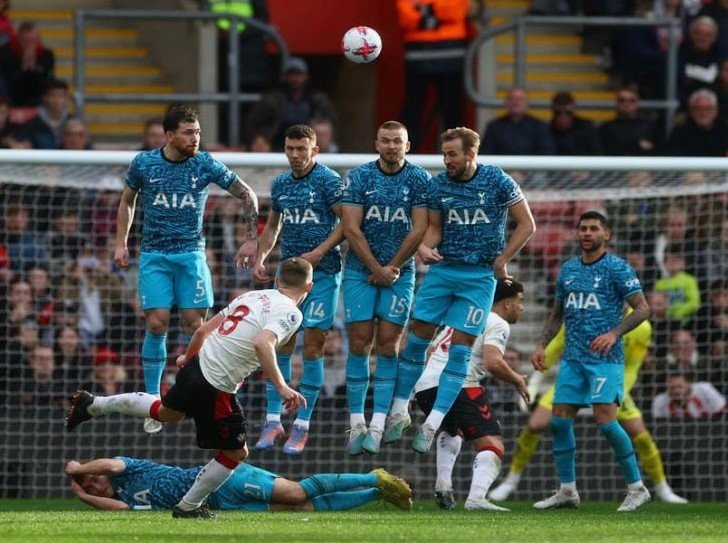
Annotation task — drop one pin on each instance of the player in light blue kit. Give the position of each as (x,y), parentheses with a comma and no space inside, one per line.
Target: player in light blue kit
(465,243)
(174,183)
(385,216)
(305,211)
(124,483)
(591,291)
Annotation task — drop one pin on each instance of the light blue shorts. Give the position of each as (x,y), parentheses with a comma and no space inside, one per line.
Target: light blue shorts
(248,489)
(168,279)
(456,295)
(364,301)
(587,384)
(319,307)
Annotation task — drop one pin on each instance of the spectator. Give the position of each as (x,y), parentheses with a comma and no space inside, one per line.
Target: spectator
(687,400)
(44,130)
(720,87)
(295,102)
(710,323)
(24,249)
(8,130)
(715,254)
(71,358)
(573,135)
(325,140)
(43,304)
(65,240)
(107,376)
(662,325)
(645,269)
(104,207)
(260,143)
(435,36)
(26,66)
(681,288)
(42,383)
(517,132)
(702,134)
(677,231)
(74,136)
(682,352)
(17,308)
(153,135)
(629,133)
(698,58)
(717,10)
(6,26)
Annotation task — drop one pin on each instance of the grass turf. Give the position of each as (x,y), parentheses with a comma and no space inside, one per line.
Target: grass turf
(62,521)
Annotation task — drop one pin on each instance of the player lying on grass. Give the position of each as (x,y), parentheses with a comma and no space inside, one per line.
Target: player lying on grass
(124,484)
(470,417)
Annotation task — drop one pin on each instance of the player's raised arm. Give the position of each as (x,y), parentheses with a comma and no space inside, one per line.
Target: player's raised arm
(124,218)
(266,242)
(408,247)
(433,236)
(525,228)
(100,466)
(550,329)
(265,343)
(247,251)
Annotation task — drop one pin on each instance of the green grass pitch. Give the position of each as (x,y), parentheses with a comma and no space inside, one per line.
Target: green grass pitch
(61,521)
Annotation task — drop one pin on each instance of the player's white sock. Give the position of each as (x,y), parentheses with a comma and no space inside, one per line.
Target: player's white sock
(568,487)
(486,466)
(435,419)
(134,404)
(637,485)
(399,406)
(301,423)
(378,421)
(210,478)
(448,448)
(356,418)
(273,417)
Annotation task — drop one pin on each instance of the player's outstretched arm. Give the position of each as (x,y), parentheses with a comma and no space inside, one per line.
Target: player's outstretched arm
(124,218)
(548,333)
(525,228)
(266,242)
(247,251)
(420,222)
(332,240)
(198,338)
(494,362)
(265,343)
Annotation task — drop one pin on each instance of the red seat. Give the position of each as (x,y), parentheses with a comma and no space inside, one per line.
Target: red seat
(21,115)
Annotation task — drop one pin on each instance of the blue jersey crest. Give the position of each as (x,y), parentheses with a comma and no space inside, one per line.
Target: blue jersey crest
(307,216)
(387,201)
(173,196)
(592,297)
(474,214)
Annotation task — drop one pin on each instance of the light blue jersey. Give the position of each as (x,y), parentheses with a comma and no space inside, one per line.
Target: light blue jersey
(474,214)
(387,201)
(173,198)
(147,485)
(307,217)
(592,297)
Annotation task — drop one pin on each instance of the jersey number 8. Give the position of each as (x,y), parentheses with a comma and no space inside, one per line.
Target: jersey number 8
(232,320)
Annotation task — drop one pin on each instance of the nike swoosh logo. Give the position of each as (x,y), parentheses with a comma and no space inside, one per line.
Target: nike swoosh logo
(155,180)
(568,282)
(370,192)
(447,199)
(282,197)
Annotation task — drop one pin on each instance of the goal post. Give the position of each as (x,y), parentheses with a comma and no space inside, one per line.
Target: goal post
(71,319)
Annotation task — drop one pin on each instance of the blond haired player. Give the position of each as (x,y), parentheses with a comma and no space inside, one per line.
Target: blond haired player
(636,345)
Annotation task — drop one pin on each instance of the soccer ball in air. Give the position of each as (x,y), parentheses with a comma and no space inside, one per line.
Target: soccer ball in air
(361,44)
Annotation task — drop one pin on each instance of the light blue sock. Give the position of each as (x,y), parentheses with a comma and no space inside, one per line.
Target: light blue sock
(452,377)
(154,359)
(385,378)
(341,501)
(411,365)
(357,381)
(326,483)
(312,381)
(274,403)
(619,439)
(564,448)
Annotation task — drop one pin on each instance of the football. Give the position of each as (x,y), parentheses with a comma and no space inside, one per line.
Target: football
(361,44)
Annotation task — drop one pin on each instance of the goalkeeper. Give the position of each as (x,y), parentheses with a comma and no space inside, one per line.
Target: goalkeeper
(124,483)
(636,344)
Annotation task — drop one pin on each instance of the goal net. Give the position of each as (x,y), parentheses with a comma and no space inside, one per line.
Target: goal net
(72,320)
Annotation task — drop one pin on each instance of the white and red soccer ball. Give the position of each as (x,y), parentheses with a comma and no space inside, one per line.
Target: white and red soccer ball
(361,44)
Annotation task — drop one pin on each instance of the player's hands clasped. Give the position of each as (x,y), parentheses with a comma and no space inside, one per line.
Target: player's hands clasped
(539,359)
(71,467)
(292,400)
(604,343)
(428,255)
(385,275)
(121,256)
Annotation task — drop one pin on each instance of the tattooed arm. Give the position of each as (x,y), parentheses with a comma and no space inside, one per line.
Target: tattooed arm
(246,253)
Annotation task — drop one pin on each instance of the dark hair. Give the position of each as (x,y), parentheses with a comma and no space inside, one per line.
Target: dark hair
(595,215)
(505,289)
(301,131)
(295,272)
(685,374)
(719,284)
(470,138)
(179,113)
(151,122)
(55,84)
(676,249)
(562,98)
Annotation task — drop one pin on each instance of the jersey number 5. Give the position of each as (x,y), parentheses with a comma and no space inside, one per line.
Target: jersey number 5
(232,320)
